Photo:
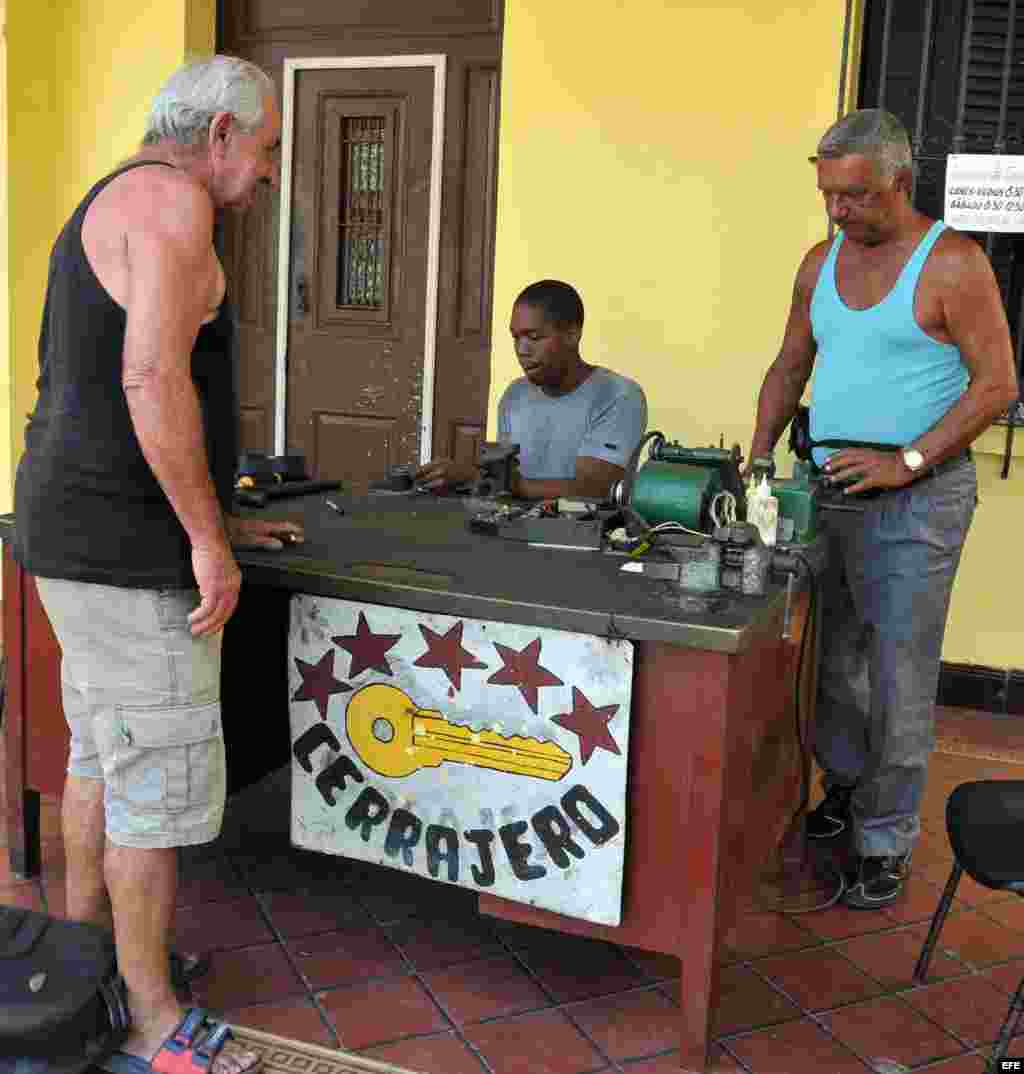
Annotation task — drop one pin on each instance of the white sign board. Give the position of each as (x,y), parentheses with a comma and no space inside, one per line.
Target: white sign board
(984,192)
(488,755)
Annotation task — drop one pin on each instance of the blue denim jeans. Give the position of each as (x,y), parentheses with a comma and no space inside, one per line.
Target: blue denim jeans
(886,598)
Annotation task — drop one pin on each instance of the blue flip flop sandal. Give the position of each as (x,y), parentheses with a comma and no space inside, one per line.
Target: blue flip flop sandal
(190,1049)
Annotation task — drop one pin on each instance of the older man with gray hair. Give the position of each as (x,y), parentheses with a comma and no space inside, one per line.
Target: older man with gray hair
(122,504)
(901,320)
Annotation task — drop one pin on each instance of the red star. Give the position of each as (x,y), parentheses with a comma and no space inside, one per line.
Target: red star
(523,670)
(367,648)
(318,682)
(591,724)
(446,651)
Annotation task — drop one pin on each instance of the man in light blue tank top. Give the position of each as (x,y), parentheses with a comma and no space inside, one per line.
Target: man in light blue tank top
(576,424)
(902,323)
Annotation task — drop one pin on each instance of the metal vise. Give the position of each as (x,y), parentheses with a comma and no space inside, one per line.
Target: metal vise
(496,464)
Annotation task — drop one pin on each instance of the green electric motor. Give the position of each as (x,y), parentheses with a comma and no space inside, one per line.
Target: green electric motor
(797,509)
(679,484)
(674,492)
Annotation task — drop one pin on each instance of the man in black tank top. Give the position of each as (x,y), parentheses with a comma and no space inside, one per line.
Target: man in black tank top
(122,503)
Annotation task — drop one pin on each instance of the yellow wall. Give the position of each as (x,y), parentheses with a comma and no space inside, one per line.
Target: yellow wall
(5,349)
(985,623)
(80,77)
(658,161)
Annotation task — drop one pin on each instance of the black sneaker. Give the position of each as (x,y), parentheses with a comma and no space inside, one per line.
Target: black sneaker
(831,817)
(877,882)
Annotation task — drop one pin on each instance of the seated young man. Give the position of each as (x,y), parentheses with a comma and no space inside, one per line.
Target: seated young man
(576,424)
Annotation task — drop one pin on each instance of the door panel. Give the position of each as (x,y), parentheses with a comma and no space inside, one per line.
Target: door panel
(249,249)
(356,327)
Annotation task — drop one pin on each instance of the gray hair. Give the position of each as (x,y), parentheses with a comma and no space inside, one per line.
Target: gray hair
(873,133)
(186,105)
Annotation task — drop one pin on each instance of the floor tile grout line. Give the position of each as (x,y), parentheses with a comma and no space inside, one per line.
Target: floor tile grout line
(900,995)
(733,1056)
(311,995)
(903,926)
(555,1001)
(564,1010)
(554,1005)
(967,1048)
(456,1028)
(474,1051)
(412,973)
(967,971)
(817,1019)
(935,1064)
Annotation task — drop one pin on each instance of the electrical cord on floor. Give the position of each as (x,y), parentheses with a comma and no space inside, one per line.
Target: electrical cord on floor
(805,786)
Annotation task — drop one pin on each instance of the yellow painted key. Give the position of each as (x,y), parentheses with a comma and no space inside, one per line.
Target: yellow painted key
(396,738)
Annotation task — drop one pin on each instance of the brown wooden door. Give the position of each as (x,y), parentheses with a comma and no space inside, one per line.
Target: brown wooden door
(352,433)
(357,316)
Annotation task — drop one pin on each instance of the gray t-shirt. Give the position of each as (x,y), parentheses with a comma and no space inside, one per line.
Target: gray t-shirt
(603,418)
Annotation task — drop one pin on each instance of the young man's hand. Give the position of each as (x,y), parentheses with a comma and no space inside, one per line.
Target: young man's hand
(440,472)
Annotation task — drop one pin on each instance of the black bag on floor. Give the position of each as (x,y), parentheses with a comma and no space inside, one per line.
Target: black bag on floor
(62,1002)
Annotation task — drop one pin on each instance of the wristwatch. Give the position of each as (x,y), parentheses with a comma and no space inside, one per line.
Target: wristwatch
(913,460)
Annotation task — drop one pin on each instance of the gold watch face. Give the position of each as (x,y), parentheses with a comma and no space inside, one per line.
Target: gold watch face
(914,460)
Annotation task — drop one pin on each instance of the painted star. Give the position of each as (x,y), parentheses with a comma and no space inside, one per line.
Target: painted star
(367,649)
(522,669)
(590,723)
(318,682)
(446,651)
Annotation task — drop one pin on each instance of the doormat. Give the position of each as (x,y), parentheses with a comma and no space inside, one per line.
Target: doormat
(281,1056)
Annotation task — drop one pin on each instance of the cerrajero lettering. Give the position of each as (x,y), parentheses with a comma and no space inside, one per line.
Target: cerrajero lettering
(483,754)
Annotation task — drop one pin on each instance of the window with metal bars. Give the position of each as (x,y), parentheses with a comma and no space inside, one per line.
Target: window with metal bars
(953,71)
(363,241)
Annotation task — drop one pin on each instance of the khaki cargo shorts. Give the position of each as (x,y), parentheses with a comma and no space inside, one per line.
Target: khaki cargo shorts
(142,701)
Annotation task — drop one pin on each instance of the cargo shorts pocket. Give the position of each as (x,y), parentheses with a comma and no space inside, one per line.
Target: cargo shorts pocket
(166,760)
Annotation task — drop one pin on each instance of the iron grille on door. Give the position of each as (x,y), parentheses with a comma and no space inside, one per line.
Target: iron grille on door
(362,249)
(953,71)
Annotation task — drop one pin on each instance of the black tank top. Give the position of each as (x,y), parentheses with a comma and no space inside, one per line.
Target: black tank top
(87,505)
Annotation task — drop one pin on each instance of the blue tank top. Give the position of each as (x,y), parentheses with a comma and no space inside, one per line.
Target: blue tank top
(878,376)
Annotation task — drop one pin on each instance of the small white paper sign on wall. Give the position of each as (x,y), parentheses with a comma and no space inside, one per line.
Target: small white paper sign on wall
(483,754)
(984,192)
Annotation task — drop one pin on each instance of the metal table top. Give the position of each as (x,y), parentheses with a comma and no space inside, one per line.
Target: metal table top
(415,551)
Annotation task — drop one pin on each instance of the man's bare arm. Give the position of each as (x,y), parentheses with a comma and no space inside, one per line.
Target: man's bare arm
(593,481)
(787,376)
(976,321)
(171,271)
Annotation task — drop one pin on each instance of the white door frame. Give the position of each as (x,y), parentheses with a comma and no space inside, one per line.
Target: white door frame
(291,69)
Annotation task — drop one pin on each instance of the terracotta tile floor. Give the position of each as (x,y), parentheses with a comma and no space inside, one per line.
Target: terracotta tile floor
(399,969)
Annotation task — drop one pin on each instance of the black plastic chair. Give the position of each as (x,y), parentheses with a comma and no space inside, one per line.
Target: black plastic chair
(985,822)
